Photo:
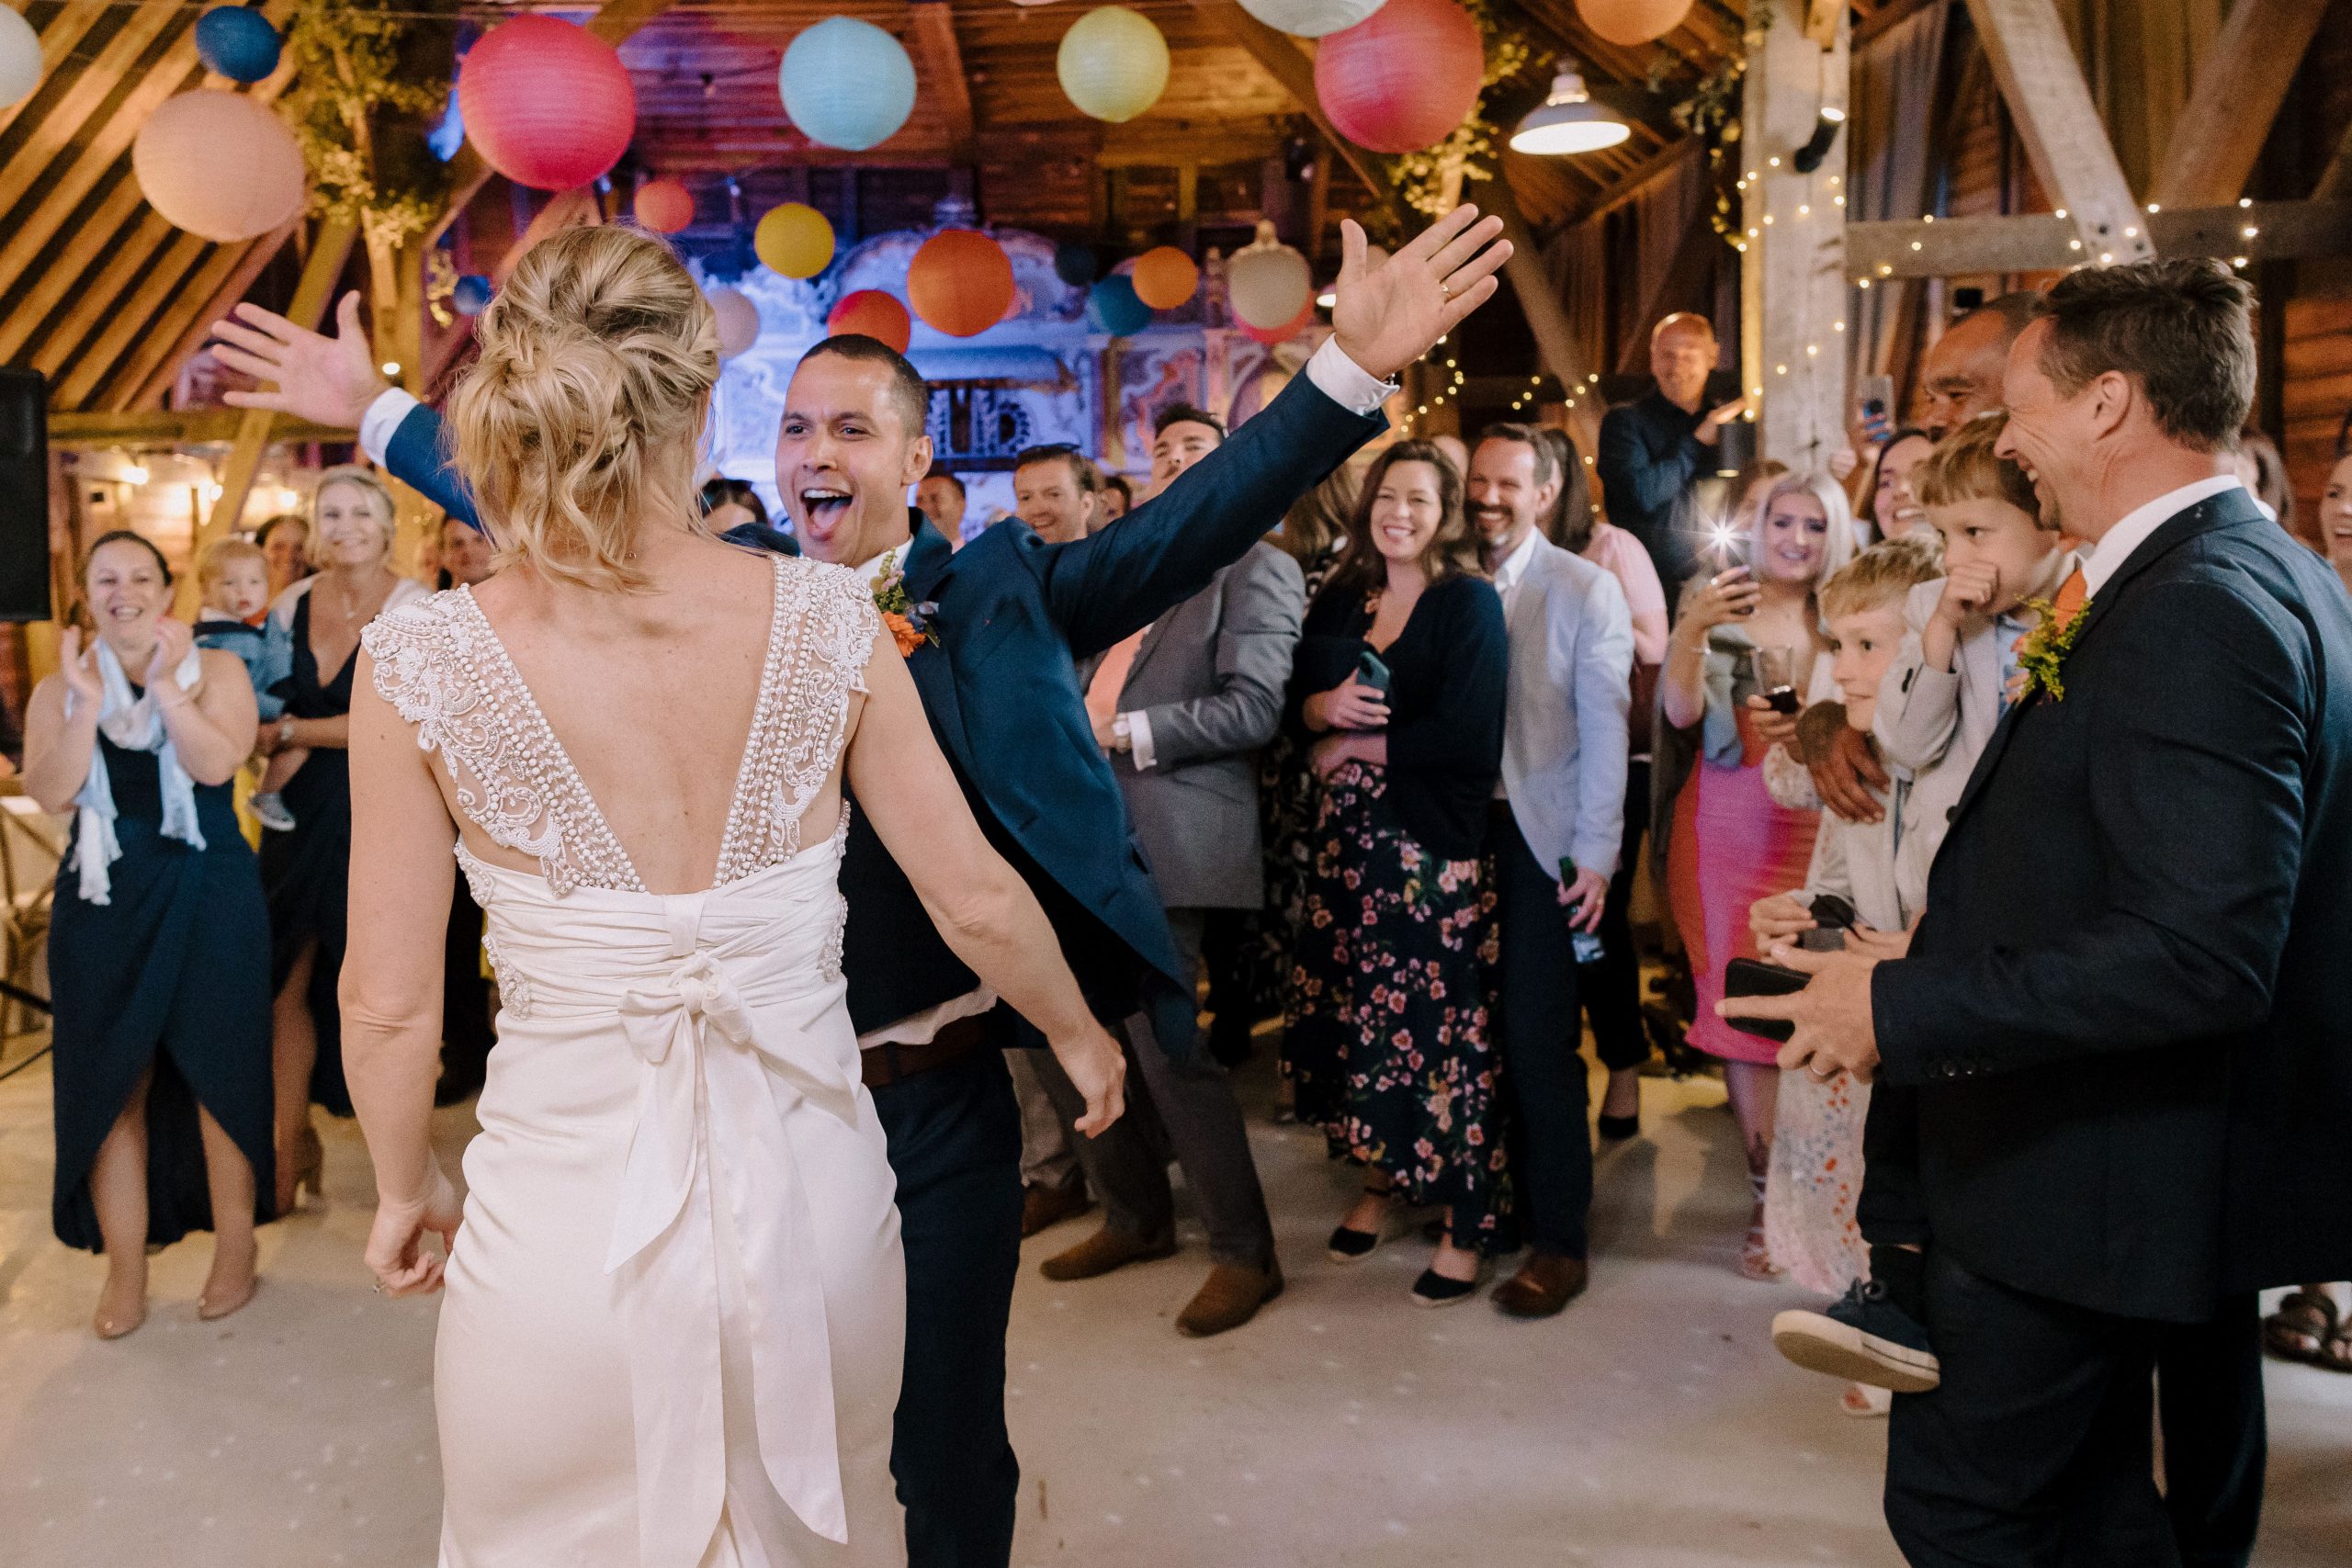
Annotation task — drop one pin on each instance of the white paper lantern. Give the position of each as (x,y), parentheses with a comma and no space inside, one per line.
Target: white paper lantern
(1311,18)
(738,321)
(1269,285)
(218,166)
(19,57)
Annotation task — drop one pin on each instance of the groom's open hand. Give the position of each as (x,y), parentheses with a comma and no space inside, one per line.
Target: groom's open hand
(1834,1033)
(1386,316)
(327,380)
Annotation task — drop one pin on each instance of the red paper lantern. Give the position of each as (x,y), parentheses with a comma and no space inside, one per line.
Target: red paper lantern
(547,104)
(869,312)
(1404,77)
(1288,330)
(664,205)
(1165,278)
(960,282)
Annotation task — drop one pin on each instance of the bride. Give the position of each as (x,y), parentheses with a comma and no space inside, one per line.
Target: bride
(676,1308)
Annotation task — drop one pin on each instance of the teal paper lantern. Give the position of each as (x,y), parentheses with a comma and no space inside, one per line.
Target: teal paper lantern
(847,84)
(1115,308)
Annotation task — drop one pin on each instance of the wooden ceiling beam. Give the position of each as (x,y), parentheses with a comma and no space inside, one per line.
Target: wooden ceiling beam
(102,234)
(68,120)
(2234,101)
(940,60)
(1966,247)
(182,267)
(80,432)
(1296,73)
(153,367)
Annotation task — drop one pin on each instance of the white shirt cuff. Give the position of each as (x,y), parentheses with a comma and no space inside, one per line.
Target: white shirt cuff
(1140,740)
(383,418)
(1344,381)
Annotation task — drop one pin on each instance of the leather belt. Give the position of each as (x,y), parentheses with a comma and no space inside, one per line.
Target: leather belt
(882,1065)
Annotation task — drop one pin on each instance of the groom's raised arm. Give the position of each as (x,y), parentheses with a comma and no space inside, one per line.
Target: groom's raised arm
(1104,587)
(407,440)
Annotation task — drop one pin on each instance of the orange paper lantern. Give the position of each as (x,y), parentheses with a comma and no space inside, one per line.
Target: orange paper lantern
(664,205)
(1165,278)
(869,312)
(1633,22)
(960,282)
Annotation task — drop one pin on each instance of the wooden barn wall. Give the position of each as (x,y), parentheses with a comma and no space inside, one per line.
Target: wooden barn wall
(2314,356)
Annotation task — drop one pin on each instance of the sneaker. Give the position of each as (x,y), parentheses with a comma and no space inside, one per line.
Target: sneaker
(1863,1338)
(269,811)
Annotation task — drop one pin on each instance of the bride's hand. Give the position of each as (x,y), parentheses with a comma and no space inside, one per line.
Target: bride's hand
(396,1253)
(1099,1069)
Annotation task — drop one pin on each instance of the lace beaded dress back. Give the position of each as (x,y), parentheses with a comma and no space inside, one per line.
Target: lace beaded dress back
(442,666)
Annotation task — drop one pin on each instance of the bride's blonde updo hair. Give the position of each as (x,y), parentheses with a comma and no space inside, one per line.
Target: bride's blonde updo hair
(584,417)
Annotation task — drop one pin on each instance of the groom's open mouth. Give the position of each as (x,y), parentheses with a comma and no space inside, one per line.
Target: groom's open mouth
(824,507)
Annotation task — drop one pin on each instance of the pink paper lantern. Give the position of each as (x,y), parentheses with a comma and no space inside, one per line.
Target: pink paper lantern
(547,104)
(1404,77)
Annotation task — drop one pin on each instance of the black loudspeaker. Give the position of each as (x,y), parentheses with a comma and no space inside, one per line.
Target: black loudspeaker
(23,495)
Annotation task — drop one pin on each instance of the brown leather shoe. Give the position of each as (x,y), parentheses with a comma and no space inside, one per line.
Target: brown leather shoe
(1229,1298)
(1547,1283)
(1042,1206)
(1105,1250)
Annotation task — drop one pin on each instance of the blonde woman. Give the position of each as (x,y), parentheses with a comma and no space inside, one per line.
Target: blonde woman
(675,1326)
(305,870)
(1728,842)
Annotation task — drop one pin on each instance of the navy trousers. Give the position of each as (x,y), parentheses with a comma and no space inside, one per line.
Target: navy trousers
(1535,1000)
(955,1137)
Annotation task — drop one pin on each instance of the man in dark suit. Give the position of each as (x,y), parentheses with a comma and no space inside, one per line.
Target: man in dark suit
(1003,622)
(2114,1073)
(1652,449)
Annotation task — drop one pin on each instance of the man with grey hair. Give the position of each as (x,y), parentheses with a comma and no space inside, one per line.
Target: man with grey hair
(1652,449)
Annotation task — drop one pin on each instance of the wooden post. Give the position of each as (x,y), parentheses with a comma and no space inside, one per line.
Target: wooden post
(1792,271)
(2239,88)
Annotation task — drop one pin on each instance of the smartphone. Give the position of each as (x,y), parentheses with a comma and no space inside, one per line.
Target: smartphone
(1754,978)
(1371,671)
(1832,917)
(1876,405)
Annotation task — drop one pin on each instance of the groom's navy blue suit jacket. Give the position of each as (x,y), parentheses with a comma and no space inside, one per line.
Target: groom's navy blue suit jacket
(2117,1066)
(1013,616)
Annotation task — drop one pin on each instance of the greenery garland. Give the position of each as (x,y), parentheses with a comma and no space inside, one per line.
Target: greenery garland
(1430,180)
(361,66)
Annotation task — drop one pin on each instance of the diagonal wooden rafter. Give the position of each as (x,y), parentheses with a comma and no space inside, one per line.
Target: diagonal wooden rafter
(1296,73)
(2234,101)
(152,367)
(940,58)
(68,120)
(468,172)
(1547,320)
(2042,82)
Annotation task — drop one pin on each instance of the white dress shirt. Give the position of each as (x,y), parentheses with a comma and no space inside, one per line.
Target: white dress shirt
(2106,557)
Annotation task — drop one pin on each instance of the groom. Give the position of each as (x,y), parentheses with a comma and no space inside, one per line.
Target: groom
(1006,618)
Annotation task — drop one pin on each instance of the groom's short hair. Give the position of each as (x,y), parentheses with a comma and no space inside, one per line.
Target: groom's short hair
(2182,329)
(907,389)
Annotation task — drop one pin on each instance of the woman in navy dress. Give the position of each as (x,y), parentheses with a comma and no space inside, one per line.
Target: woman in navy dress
(159,946)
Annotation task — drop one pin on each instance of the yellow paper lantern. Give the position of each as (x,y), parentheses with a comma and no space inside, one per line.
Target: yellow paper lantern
(1113,63)
(794,240)
(1633,22)
(220,165)
(1165,278)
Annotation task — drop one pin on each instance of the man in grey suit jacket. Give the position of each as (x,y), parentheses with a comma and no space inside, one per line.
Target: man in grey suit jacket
(1182,709)
(1554,834)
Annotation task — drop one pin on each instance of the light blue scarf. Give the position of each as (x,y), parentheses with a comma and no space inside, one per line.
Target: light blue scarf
(135,726)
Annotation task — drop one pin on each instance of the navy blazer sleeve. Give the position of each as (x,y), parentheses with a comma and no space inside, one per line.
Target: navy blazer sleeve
(1630,477)
(1102,588)
(419,459)
(2196,799)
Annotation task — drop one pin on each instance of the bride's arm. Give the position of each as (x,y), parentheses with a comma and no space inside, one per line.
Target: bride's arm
(402,876)
(980,904)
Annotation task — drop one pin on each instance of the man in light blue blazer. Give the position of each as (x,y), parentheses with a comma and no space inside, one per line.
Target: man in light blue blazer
(1557,822)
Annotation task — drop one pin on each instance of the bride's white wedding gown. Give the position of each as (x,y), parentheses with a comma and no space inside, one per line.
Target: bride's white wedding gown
(676,1309)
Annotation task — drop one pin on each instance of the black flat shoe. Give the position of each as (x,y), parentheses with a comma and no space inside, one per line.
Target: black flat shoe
(1434,1289)
(1350,1245)
(1617,1129)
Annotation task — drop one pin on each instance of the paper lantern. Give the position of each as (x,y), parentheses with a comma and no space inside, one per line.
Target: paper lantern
(846,84)
(960,282)
(794,240)
(1631,22)
(1075,264)
(471,296)
(738,321)
(19,57)
(1113,63)
(1165,278)
(1311,18)
(189,140)
(237,42)
(1284,333)
(664,205)
(1115,308)
(1404,77)
(546,103)
(869,312)
(1268,284)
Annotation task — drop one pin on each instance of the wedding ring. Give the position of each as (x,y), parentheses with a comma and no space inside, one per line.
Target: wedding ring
(378,1287)
(1445,291)
(1819,1077)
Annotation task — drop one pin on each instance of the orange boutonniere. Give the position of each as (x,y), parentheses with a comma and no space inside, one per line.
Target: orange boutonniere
(909,623)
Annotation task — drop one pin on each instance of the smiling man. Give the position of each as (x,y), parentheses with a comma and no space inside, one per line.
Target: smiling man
(1053,491)
(1005,621)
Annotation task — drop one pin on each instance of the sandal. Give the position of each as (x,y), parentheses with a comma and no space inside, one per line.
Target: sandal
(2307,1328)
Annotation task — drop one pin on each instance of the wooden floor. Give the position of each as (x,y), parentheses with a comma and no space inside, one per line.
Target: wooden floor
(1650,1427)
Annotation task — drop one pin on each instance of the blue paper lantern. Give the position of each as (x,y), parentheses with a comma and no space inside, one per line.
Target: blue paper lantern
(237,42)
(1115,308)
(1074,262)
(471,296)
(847,84)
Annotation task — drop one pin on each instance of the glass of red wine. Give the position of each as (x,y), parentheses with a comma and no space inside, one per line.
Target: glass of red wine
(1776,677)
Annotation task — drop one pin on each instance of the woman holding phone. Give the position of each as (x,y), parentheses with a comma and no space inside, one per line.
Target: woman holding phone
(1748,627)
(1399,689)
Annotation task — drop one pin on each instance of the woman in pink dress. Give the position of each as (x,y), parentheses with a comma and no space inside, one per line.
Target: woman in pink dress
(1729,842)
